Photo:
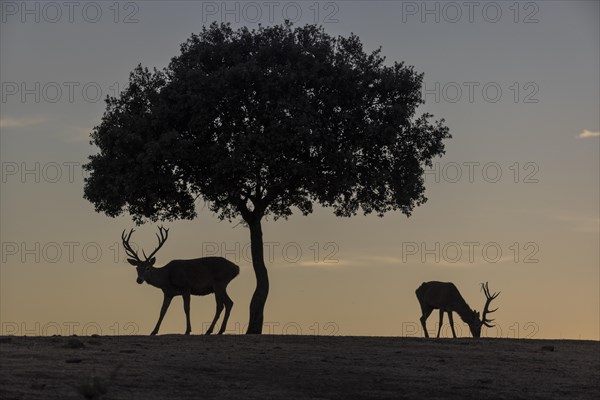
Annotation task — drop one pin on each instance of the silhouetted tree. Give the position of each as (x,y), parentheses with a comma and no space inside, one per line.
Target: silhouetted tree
(258,122)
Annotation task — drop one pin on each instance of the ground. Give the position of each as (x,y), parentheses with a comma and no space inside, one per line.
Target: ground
(296,367)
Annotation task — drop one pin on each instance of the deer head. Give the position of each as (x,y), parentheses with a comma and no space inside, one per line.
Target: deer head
(143,266)
(477,322)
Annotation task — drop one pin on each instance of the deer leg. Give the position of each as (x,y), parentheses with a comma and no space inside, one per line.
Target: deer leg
(426,314)
(186,308)
(219,300)
(441,322)
(166,302)
(451,324)
(228,305)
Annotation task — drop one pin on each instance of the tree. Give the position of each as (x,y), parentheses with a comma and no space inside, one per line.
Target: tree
(261,122)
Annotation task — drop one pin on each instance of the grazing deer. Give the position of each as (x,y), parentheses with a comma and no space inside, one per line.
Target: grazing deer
(446,297)
(199,277)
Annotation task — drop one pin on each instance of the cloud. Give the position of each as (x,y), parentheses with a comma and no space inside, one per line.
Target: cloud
(77,135)
(580,224)
(588,134)
(321,264)
(20,122)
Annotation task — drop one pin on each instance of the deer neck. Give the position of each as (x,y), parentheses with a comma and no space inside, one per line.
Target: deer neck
(464,311)
(156,277)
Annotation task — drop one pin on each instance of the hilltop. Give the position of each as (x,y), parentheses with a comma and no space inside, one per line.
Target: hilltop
(296,367)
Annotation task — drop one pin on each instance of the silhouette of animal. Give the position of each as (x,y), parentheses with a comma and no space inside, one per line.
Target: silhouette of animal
(199,277)
(446,297)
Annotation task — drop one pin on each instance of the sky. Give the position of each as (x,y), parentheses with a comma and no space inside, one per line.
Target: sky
(513,202)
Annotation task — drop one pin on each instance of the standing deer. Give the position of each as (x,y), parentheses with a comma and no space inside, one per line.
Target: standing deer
(199,277)
(446,297)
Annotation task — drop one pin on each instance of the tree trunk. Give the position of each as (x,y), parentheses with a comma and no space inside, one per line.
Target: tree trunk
(257,305)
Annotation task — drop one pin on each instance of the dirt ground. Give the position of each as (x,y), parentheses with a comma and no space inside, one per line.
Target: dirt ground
(296,367)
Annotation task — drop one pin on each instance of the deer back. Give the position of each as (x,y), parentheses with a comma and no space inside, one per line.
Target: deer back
(201,274)
(441,295)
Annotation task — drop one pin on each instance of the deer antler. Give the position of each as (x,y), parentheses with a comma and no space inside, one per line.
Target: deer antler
(486,310)
(162,238)
(128,249)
